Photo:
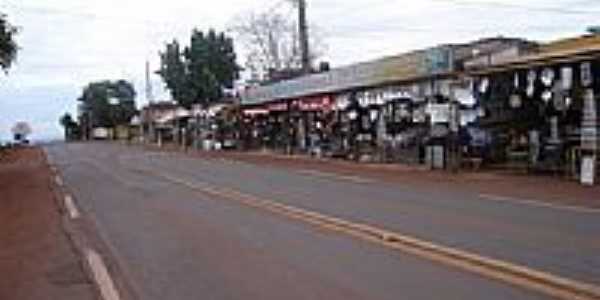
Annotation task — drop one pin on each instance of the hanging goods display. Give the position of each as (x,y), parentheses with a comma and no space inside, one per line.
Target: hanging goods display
(515,101)
(589,135)
(484,85)
(566,78)
(531,78)
(554,136)
(547,77)
(589,122)
(588,170)
(586,74)
(558,99)
(547,96)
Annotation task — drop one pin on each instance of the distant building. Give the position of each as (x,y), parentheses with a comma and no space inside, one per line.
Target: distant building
(155,117)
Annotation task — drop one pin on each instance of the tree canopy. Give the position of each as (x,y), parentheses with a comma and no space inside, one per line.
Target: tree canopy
(8,46)
(66,120)
(97,108)
(201,72)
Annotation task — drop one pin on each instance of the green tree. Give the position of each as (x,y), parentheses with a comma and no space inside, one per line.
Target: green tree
(174,73)
(108,103)
(8,46)
(200,73)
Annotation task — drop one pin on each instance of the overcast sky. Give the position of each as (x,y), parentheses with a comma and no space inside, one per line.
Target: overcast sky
(68,43)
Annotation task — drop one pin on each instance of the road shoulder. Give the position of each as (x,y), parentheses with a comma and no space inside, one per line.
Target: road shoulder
(37,255)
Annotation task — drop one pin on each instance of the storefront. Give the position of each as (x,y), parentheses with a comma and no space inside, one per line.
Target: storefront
(392,123)
(541,111)
(253,127)
(311,121)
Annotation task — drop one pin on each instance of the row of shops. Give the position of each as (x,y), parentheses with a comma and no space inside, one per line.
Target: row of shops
(213,127)
(497,103)
(493,103)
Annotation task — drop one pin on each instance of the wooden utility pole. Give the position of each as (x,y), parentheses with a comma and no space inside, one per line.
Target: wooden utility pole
(149,95)
(303,35)
(150,99)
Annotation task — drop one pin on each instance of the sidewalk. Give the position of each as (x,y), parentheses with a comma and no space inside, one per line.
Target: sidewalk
(37,260)
(490,184)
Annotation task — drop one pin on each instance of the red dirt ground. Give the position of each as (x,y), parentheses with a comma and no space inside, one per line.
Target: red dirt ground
(37,259)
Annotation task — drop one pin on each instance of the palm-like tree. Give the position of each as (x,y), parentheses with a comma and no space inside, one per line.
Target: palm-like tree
(68,123)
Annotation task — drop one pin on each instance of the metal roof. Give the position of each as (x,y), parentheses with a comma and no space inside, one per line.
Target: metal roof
(404,67)
(590,51)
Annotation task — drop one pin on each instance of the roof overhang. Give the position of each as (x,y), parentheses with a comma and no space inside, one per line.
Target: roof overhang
(542,59)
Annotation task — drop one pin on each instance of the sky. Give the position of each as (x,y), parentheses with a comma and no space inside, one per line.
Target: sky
(66,44)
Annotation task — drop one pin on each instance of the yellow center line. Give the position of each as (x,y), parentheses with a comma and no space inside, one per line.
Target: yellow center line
(517,275)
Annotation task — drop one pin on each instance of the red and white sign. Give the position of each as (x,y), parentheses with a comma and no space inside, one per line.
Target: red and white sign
(277,107)
(322,103)
(255,112)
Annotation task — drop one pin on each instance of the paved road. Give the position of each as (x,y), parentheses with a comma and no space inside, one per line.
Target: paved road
(175,243)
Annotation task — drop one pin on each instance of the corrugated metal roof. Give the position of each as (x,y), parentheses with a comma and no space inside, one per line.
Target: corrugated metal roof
(569,50)
(398,68)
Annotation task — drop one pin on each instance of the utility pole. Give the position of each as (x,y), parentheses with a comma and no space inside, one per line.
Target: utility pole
(303,35)
(149,96)
(150,99)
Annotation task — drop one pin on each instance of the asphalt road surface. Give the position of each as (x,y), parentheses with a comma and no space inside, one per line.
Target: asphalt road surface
(173,242)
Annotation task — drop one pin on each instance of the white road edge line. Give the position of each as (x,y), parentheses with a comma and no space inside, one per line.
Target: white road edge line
(539,203)
(101,276)
(71,207)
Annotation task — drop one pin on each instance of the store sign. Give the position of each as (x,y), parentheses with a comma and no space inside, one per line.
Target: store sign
(316,104)
(277,107)
(255,111)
